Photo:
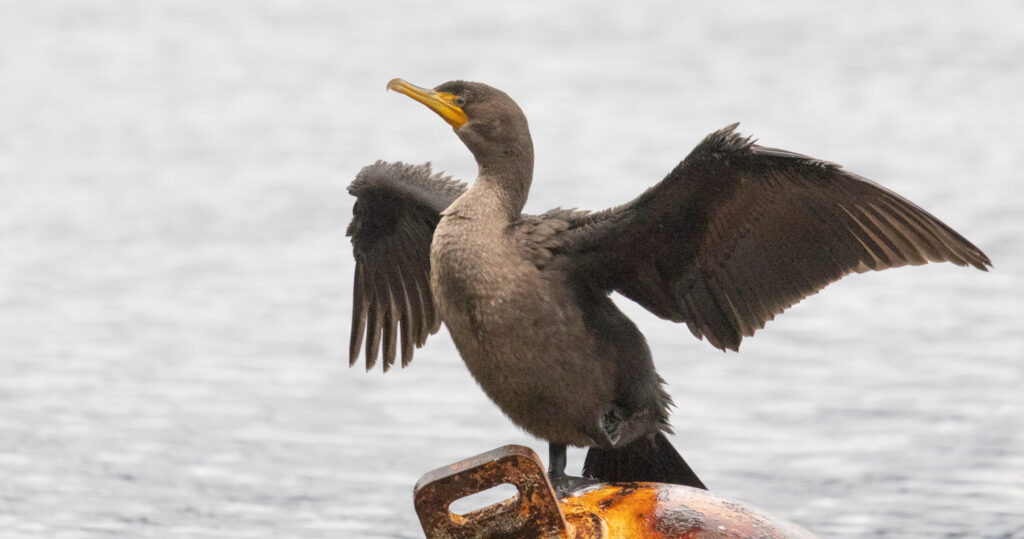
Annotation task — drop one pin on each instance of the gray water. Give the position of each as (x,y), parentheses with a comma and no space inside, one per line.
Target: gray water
(175,281)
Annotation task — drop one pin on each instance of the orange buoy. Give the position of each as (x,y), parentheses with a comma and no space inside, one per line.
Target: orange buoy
(601,511)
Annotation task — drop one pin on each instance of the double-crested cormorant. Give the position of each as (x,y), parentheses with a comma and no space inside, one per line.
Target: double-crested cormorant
(734,235)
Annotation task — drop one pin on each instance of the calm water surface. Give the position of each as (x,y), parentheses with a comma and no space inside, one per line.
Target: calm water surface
(175,281)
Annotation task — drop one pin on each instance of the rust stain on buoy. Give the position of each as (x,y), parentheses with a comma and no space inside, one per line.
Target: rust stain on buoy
(602,511)
(661,510)
(532,512)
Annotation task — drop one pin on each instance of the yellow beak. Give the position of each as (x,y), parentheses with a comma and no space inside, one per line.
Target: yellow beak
(443,103)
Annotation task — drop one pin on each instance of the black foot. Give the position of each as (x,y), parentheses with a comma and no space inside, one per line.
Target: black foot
(567,484)
(556,460)
(564,484)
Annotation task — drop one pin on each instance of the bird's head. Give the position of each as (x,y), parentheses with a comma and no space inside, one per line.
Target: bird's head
(487,120)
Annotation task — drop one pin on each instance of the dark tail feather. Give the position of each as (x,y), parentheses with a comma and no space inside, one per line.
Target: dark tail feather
(646,459)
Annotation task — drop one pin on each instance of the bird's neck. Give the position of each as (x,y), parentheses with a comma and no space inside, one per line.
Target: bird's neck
(507,177)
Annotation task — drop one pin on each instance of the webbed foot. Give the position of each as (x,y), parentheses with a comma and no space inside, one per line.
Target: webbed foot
(565,485)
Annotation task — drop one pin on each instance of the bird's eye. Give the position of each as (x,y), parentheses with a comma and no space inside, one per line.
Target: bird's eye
(460,101)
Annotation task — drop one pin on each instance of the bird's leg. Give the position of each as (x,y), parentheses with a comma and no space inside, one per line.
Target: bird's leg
(564,484)
(556,461)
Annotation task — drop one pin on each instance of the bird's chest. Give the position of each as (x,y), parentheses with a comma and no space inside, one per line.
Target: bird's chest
(476,278)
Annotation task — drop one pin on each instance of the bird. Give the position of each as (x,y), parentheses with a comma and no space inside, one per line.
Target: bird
(731,237)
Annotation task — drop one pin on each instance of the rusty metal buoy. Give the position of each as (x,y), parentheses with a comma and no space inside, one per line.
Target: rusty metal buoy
(601,511)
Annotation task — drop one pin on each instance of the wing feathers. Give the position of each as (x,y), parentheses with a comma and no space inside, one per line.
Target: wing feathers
(389,336)
(375,321)
(359,308)
(738,232)
(397,208)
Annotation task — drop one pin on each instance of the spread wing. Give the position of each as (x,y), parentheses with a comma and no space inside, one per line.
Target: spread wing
(737,233)
(397,208)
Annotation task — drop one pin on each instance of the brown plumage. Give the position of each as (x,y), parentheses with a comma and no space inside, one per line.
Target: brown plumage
(734,235)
